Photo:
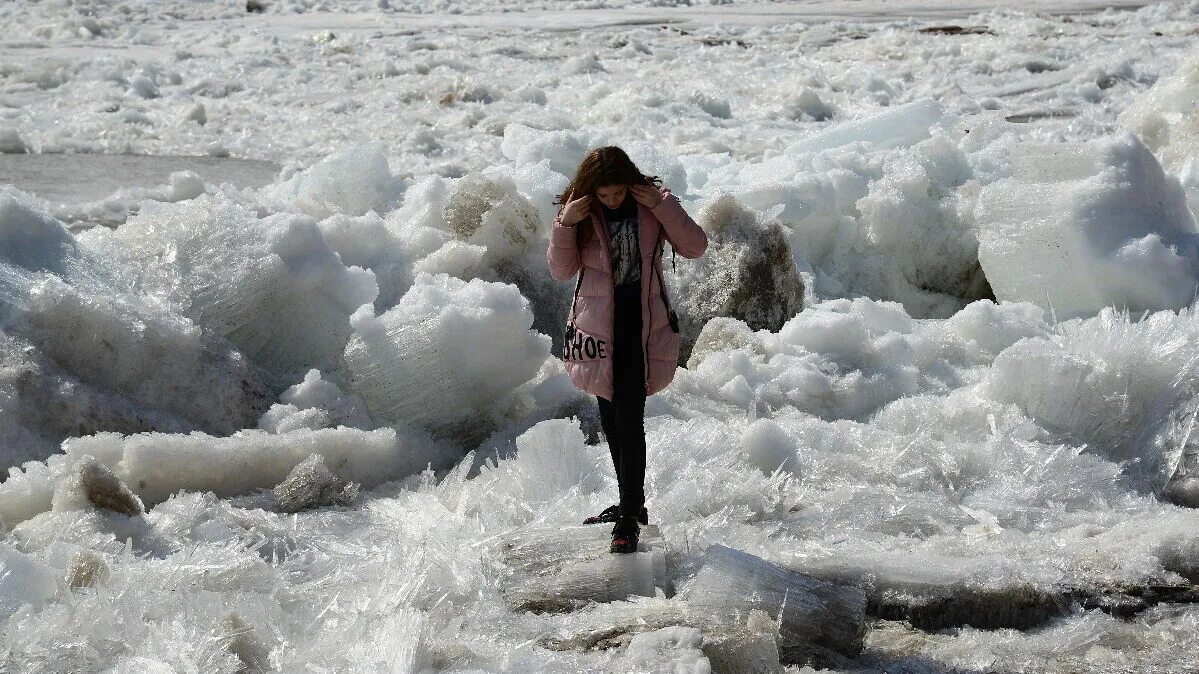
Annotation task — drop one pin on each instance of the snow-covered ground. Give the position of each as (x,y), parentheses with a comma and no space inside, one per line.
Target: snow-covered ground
(982,417)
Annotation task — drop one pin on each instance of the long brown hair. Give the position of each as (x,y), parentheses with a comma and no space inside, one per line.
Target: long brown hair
(608,165)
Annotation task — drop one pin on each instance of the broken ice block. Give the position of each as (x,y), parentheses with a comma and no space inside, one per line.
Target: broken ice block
(819,622)
(312,485)
(752,649)
(23,580)
(443,356)
(747,273)
(899,126)
(561,568)
(1080,227)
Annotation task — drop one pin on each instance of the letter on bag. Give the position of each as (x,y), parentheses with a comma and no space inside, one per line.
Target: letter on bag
(584,347)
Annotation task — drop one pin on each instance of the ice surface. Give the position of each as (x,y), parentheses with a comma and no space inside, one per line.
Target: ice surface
(818,621)
(312,485)
(966,461)
(1074,241)
(902,126)
(441,358)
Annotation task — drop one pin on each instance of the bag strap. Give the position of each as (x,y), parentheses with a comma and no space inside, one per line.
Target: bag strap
(661,281)
(575,301)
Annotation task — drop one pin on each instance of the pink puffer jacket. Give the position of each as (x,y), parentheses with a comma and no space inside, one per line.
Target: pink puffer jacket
(588,357)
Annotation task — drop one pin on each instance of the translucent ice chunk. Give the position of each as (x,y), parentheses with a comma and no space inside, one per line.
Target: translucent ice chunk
(23,580)
(896,127)
(443,356)
(818,620)
(240,639)
(1078,228)
(272,286)
(352,182)
(561,568)
(312,485)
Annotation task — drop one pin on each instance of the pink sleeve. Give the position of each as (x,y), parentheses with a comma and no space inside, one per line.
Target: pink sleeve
(687,237)
(563,251)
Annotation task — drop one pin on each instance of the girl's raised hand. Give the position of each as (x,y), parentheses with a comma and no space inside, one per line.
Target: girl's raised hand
(575,210)
(646,196)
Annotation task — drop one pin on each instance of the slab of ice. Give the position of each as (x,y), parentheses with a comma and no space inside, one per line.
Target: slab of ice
(560,568)
(354,181)
(1078,228)
(443,356)
(899,126)
(83,352)
(156,465)
(23,580)
(818,621)
(1096,384)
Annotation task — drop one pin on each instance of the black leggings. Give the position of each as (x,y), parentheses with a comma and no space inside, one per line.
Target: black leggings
(623,418)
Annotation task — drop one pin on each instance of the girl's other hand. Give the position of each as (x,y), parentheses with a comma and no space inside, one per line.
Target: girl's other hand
(576,210)
(646,196)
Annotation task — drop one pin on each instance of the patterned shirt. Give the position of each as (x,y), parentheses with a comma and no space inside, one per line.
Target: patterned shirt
(623,235)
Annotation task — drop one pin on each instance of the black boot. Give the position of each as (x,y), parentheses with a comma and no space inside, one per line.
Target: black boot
(625,534)
(612,513)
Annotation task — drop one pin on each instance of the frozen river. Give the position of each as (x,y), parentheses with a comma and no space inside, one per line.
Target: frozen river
(297,408)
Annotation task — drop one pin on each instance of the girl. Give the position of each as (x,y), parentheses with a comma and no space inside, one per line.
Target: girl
(622,338)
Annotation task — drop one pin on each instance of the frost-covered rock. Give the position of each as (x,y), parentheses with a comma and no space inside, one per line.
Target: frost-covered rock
(747,273)
(444,355)
(505,237)
(312,485)
(1081,227)
(91,484)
